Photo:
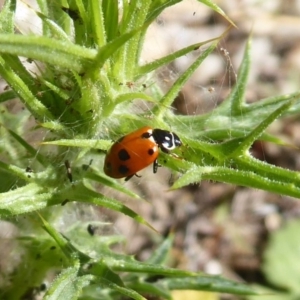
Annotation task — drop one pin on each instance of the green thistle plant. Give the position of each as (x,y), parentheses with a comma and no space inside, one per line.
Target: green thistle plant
(87,55)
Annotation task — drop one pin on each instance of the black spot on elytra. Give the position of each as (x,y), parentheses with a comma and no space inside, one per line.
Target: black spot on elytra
(150,151)
(123,155)
(123,170)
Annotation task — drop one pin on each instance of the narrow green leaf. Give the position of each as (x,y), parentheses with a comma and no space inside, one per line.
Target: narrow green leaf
(53,27)
(122,290)
(55,126)
(129,54)
(161,291)
(139,267)
(169,97)
(111,18)
(80,4)
(80,143)
(157,6)
(116,206)
(268,293)
(191,176)
(7,15)
(237,96)
(257,132)
(209,283)
(60,92)
(93,174)
(221,124)
(217,9)
(80,24)
(101,270)
(59,53)
(29,198)
(65,285)
(249,163)
(85,194)
(16,171)
(66,247)
(18,68)
(159,255)
(43,7)
(97,23)
(109,49)
(62,15)
(135,95)
(146,69)
(40,254)
(253,180)
(270,103)
(134,14)
(34,153)
(8,181)
(17,84)
(7,95)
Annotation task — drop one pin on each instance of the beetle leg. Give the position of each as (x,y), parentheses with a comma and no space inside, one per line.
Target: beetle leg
(155,166)
(128,177)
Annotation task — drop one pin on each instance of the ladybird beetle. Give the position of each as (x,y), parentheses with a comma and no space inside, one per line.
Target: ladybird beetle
(137,150)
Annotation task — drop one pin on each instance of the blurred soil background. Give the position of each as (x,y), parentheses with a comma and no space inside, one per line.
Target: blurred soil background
(219,228)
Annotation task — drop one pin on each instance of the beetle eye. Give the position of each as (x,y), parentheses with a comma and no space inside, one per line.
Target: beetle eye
(146,135)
